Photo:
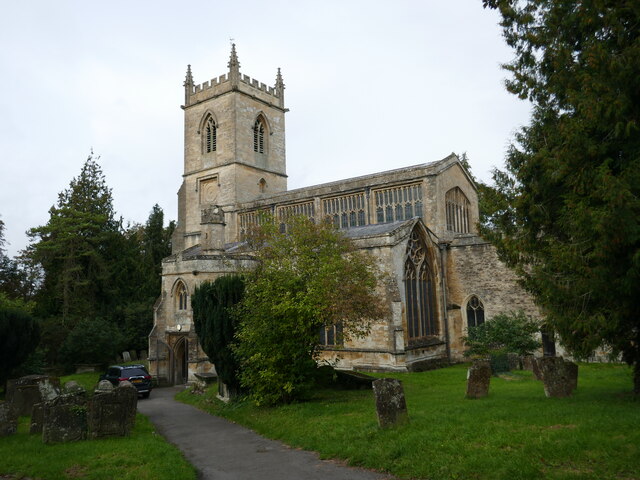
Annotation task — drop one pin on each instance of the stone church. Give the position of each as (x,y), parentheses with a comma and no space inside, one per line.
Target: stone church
(418,221)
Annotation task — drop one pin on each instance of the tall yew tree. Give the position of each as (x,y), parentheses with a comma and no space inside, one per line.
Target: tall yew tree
(567,212)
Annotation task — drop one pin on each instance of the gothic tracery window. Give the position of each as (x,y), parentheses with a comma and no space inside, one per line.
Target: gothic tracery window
(420,291)
(331,335)
(181,296)
(475,312)
(258,135)
(457,213)
(211,135)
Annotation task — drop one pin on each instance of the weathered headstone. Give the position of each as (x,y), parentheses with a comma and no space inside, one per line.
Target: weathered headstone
(23,393)
(8,419)
(37,418)
(65,418)
(126,357)
(104,386)
(559,376)
(391,405)
(112,414)
(478,379)
(49,389)
(535,369)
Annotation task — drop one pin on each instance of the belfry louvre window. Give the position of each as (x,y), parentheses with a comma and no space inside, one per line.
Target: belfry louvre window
(420,292)
(346,211)
(475,312)
(457,206)
(258,135)
(211,136)
(398,203)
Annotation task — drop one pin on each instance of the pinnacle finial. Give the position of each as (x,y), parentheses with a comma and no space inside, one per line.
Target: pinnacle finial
(189,77)
(234,64)
(279,82)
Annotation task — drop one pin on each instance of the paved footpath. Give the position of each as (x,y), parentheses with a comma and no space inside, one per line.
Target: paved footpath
(221,450)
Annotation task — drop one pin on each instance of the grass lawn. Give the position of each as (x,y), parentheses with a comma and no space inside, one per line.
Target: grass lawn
(144,455)
(515,433)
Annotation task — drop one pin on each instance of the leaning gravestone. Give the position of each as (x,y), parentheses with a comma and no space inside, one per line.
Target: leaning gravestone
(478,379)
(8,419)
(112,413)
(391,405)
(560,377)
(126,357)
(65,417)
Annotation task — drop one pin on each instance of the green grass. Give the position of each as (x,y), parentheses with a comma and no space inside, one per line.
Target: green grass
(143,455)
(515,433)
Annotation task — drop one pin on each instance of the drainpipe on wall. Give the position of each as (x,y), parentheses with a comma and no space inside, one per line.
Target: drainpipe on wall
(443,247)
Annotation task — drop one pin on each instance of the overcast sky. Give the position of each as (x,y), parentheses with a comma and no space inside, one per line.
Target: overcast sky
(371,86)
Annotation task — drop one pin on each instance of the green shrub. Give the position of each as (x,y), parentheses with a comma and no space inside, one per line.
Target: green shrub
(216,326)
(19,337)
(91,341)
(503,334)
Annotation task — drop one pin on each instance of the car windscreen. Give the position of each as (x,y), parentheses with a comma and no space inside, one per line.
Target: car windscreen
(134,372)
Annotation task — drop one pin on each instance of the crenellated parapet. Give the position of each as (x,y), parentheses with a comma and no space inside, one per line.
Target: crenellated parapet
(234,81)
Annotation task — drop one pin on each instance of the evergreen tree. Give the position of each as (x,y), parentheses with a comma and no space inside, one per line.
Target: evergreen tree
(566,213)
(71,248)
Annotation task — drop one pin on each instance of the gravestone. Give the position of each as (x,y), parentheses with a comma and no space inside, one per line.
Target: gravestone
(134,355)
(391,405)
(126,357)
(23,393)
(48,389)
(112,414)
(513,359)
(559,376)
(535,369)
(65,417)
(104,386)
(478,379)
(8,419)
(144,355)
(37,418)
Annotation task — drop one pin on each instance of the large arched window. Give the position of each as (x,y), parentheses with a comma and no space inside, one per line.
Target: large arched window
(457,206)
(181,296)
(475,312)
(259,131)
(211,135)
(420,291)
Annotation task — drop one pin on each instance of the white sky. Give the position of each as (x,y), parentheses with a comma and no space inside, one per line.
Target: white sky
(372,85)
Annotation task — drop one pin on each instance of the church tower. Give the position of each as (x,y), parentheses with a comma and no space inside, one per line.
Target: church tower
(234,149)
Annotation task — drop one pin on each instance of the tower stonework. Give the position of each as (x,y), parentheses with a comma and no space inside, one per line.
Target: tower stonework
(234,147)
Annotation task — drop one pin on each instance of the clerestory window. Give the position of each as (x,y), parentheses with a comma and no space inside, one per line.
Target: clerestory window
(259,130)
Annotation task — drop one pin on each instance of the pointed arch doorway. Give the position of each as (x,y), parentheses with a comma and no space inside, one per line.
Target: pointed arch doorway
(181,361)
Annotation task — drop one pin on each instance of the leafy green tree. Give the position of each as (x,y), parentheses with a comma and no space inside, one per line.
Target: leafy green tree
(308,277)
(19,337)
(215,324)
(567,209)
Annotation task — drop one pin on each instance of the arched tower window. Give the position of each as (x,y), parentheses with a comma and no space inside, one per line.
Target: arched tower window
(181,296)
(211,135)
(475,312)
(259,130)
(262,185)
(420,291)
(457,215)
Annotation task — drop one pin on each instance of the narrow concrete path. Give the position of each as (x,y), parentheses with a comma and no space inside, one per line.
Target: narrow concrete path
(221,450)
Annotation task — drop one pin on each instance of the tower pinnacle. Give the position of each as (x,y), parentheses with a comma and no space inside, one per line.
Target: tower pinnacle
(280,87)
(234,66)
(188,85)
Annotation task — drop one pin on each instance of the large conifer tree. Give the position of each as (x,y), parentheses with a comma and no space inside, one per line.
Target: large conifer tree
(567,212)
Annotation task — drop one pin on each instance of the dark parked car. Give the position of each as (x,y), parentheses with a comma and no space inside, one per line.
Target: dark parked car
(136,374)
